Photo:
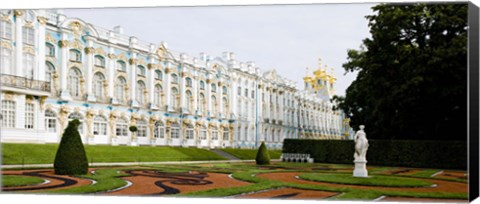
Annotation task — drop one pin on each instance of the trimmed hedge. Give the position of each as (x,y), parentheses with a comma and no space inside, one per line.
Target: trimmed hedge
(262,158)
(71,158)
(402,153)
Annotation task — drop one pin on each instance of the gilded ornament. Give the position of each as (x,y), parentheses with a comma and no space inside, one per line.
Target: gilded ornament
(111,56)
(167,70)
(6,44)
(150,66)
(17,12)
(49,38)
(42,20)
(63,43)
(132,61)
(89,50)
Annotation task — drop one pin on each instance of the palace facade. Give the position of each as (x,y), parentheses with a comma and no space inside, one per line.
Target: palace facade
(55,69)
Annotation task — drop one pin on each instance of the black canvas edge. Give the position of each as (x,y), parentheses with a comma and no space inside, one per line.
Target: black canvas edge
(473,102)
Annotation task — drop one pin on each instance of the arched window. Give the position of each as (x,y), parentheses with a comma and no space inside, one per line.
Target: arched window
(214,105)
(50,121)
(6,30)
(174,78)
(99,61)
(79,117)
(142,128)
(158,75)
(224,90)
(98,85)
(49,50)
(159,130)
(49,71)
(175,131)
(157,95)
(214,133)
(6,60)
(189,101)
(173,98)
(120,85)
(28,35)
(245,134)
(239,90)
(140,92)
(121,66)
(201,103)
(121,127)
(29,115)
(141,70)
(225,105)
(226,134)
(75,55)
(202,85)
(74,76)
(99,125)
(8,113)
(188,82)
(214,88)
(203,133)
(28,64)
(189,132)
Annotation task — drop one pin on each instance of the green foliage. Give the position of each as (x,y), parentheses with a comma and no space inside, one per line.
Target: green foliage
(372,180)
(251,153)
(404,153)
(133,128)
(262,157)
(412,78)
(71,158)
(16,180)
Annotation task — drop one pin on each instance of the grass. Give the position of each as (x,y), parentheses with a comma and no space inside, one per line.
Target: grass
(376,180)
(251,153)
(45,154)
(14,180)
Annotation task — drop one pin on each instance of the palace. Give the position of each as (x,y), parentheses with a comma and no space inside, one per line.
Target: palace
(55,69)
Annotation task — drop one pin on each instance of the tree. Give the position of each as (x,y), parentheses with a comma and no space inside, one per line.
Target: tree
(71,158)
(262,157)
(412,78)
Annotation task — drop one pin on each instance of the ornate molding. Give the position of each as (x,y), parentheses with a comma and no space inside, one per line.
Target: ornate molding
(49,38)
(42,20)
(167,70)
(29,50)
(132,61)
(112,56)
(122,56)
(63,43)
(6,44)
(17,12)
(89,50)
(76,44)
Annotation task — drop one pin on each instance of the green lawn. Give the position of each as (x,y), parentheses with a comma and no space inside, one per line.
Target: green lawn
(45,153)
(372,180)
(14,180)
(251,153)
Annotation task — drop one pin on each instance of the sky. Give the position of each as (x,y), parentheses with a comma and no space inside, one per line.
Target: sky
(287,38)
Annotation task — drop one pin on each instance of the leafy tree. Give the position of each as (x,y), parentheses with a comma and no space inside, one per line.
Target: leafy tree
(71,158)
(412,78)
(262,157)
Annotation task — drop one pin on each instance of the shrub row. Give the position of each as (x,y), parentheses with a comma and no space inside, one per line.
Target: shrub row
(402,153)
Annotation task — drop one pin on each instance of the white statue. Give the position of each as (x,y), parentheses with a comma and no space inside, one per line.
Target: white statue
(360,156)
(361,145)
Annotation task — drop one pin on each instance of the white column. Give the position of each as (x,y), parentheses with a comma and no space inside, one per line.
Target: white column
(151,81)
(110,66)
(133,78)
(19,46)
(181,89)
(64,94)
(167,86)
(89,67)
(208,97)
(233,101)
(40,74)
(195,94)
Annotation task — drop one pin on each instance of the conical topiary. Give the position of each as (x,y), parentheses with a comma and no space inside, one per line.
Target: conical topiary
(71,158)
(262,155)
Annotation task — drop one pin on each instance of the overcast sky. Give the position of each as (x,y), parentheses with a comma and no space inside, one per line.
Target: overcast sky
(288,38)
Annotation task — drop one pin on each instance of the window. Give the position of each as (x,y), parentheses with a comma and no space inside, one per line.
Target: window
(5,60)
(189,132)
(188,82)
(246,134)
(29,115)
(225,105)
(175,131)
(226,134)
(79,117)
(158,75)
(74,76)
(28,64)
(189,101)
(75,56)
(214,105)
(120,85)
(8,113)
(140,92)
(239,91)
(214,88)
(121,127)
(214,134)
(201,103)
(28,35)
(173,98)
(202,85)
(141,70)
(99,61)
(121,66)
(142,128)
(224,90)
(159,130)
(99,125)
(50,121)
(174,79)
(203,133)
(5,30)
(253,94)
(157,95)
(49,50)
(98,85)
(246,92)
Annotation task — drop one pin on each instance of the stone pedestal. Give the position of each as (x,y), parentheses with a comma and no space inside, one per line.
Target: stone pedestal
(134,142)
(360,168)
(114,142)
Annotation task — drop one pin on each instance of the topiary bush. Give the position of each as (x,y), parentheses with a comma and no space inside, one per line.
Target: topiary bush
(133,128)
(71,158)
(262,155)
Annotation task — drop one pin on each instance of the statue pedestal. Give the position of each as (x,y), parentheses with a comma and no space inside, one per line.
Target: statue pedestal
(360,168)
(114,142)
(134,142)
